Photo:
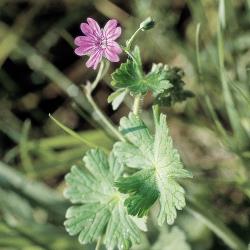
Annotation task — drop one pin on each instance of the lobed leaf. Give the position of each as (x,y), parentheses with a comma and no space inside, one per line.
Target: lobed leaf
(159,167)
(99,209)
(130,76)
(117,97)
(176,93)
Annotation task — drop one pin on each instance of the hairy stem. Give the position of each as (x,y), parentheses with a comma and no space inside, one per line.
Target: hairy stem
(98,76)
(99,243)
(97,112)
(129,42)
(215,225)
(156,113)
(102,118)
(136,105)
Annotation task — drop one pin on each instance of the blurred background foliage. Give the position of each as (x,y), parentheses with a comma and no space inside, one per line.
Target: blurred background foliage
(40,74)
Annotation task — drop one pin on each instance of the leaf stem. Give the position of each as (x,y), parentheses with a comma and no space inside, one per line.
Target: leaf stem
(156,113)
(102,117)
(137,103)
(99,243)
(215,225)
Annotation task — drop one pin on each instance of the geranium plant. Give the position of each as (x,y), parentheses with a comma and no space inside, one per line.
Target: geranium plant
(110,202)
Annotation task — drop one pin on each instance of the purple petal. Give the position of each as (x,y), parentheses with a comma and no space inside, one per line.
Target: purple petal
(82,40)
(85,50)
(111,55)
(94,59)
(114,34)
(114,47)
(94,26)
(110,26)
(79,51)
(86,29)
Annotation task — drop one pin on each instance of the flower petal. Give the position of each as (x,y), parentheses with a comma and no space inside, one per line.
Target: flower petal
(110,26)
(111,55)
(94,26)
(114,46)
(82,40)
(86,29)
(114,34)
(79,51)
(94,59)
(85,50)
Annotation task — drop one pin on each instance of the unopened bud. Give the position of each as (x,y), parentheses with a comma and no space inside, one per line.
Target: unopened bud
(147,24)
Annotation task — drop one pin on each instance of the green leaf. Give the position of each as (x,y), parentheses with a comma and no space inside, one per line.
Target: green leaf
(176,93)
(143,191)
(157,79)
(117,97)
(121,228)
(130,76)
(160,168)
(99,208)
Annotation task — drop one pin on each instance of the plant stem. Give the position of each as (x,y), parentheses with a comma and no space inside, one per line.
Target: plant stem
(101,73)
(156,113)
(99,243)
(215,225)
(96,111)
(98,77)
(136,105)
(129,42)
(102,118)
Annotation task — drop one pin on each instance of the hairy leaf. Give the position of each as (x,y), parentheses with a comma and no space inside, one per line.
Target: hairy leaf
(130,76)
(176,93)
(117,97)
(160,168)
(99,207)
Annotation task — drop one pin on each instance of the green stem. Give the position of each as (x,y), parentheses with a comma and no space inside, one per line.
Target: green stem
(215,225)
(98,77)
(99,243)
(129,42)
(136,105)
(156,113)
(102,118)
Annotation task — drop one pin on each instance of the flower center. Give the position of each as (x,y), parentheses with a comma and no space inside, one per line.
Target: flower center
(103,43)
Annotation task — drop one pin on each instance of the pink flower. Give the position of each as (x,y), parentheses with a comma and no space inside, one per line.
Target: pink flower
(98,43)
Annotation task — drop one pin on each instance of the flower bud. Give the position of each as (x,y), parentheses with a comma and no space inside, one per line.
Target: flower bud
(147,24)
